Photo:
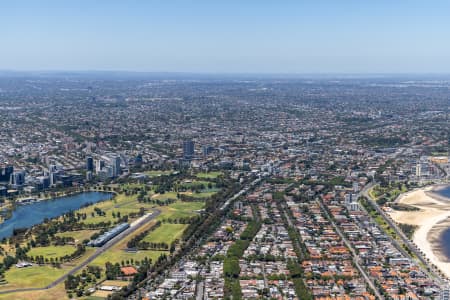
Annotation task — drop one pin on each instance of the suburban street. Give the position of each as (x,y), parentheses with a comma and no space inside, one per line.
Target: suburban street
(355,256)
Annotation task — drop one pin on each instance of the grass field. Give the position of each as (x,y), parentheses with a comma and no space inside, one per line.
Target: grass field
(115,283)
(190,184)
(52,251)
(165,196)
(156,173)
(56,293)
(206,193)
(35,276)
(79,235)
(166,233)
(130,186)
(180,209)
(73,263)
(40,276)
(121,203)
(209,175)
(175,210)
(390,193)
(117,255)
(99,295)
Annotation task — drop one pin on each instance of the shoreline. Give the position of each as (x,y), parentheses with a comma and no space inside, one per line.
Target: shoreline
(432,219)
(28,226)
(75,192)
(64,194)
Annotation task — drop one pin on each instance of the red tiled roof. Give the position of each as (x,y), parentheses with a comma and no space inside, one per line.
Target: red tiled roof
(127,271)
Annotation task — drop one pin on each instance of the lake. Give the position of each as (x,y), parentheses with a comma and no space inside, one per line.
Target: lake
(25,216)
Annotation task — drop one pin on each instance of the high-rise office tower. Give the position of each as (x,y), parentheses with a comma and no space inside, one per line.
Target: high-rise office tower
(17,178)
(188,149)
(207,149)
(89,163)
(100,164)
(5,173)
(52,168)
(53,178)
(115,164)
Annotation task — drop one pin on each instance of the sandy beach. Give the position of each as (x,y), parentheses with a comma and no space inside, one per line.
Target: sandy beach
(432,219)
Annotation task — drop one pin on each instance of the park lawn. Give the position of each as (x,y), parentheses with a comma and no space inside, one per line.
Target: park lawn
(189,207)
(180,209)
(73,263)
(373,194)
(206,193)
(52,251)
(135,207)
(131,186)
(165,196)
(8,250)
(166,233)
(99,219)
(116,201)
(99,295)
(78,235)
(30,277)
(439,153)
(203,195)
(193,183)
(156,173)
(209,175)
(390,192)
(120,203)
(117,255)
(56,293)
(120,283)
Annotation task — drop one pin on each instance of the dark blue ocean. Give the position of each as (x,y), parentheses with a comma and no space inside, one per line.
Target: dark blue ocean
(26,216)
(446,234)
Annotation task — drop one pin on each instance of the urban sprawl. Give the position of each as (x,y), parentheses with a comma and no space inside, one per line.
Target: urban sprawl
(221,187)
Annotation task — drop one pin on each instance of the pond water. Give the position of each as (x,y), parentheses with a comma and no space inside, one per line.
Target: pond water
(25,216)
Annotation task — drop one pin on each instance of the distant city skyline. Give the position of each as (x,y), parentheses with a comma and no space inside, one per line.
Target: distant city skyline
(226,37)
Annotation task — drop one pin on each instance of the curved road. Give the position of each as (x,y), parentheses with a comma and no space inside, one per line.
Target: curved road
(112,242)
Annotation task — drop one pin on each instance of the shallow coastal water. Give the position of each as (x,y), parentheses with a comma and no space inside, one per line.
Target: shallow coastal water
(445,236)
(444,192)
(26,216)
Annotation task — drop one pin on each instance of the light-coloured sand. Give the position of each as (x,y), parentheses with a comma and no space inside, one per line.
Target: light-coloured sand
(431,219)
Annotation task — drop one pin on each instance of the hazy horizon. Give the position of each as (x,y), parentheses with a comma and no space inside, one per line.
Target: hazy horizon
(233,37)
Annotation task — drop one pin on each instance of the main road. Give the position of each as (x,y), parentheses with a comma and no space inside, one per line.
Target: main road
(133,227)
(356,258)
(240,193)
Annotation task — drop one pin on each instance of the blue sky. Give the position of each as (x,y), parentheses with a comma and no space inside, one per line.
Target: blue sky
(317,36)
